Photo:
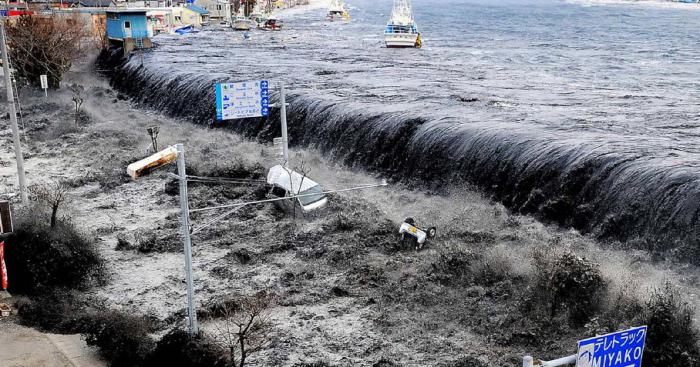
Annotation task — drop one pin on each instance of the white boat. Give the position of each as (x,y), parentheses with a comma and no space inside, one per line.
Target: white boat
(337,10)
(401,30)
(257,15)
(241,23)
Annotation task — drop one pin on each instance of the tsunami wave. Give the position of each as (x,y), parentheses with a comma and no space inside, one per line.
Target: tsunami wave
(622,196)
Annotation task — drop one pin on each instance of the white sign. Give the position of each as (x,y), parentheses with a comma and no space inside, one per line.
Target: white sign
(242,100)
(44,81)
(278,145)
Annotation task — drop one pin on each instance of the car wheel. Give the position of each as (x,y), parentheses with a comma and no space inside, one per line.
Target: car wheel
(432,231)
(410,221)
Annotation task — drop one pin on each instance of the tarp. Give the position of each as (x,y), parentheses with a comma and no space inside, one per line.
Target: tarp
(3,269)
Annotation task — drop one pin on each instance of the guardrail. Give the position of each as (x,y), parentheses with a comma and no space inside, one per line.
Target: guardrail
(530,362)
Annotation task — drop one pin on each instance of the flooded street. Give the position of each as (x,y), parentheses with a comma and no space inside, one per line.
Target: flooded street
(583,114)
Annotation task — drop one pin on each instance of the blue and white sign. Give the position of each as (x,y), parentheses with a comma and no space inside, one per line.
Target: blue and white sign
(621,349)
(242,100)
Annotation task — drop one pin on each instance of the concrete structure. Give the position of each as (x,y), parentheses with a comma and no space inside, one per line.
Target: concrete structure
(160,20)
(93,19)
(190,15)
(128,28)
(219,10)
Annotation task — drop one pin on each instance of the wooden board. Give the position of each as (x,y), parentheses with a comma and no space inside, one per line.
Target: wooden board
(142,167)
(5,217)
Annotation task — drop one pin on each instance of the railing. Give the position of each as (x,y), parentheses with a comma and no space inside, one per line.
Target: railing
(530,362)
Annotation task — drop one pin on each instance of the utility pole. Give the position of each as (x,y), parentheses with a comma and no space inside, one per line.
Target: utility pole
(13,112)
(283,122)
(186,239)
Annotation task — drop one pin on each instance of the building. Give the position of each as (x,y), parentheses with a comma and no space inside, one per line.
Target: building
(190,15)
(15,9)
(93,19)
(219,10)
(160,20)
(128,28)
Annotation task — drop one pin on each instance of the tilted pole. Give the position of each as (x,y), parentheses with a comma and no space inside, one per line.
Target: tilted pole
(283,122)
(186,239)
(13,114)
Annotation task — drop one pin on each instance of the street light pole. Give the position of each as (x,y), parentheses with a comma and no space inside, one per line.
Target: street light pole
(186,239)
(13,113)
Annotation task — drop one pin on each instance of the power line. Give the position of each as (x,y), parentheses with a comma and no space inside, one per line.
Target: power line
(287,197)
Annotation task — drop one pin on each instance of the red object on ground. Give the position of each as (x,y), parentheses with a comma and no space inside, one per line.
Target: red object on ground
(3,269)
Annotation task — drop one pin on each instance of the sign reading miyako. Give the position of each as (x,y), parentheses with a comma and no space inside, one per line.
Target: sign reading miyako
(242,100)
(620,349)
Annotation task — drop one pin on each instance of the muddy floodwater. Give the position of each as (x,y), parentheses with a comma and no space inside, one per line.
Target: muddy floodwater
(584,114)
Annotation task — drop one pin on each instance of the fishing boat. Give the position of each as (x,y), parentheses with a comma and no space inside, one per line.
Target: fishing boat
(184,29)
(242,23)
(337,10)
(257,16)
(271,24)
(401,30)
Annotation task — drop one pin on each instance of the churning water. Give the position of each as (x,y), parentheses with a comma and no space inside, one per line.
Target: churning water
(585,115)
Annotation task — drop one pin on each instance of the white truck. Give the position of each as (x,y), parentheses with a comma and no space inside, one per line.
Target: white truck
(408,227)
(287,183)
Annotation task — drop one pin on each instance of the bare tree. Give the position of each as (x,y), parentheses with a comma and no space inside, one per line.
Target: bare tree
(244,328)
(78,97)
(52,195)
(45,45)
(303,170)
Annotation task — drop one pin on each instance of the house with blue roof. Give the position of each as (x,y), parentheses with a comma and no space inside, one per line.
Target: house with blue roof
(128,28)
(189,14)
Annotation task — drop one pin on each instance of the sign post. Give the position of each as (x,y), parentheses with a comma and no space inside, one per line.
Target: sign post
(251,99)
(620,349)
(44,85)
(186,239)
(242,100)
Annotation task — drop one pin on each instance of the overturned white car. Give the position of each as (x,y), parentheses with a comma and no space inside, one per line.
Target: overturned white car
(408,227)
(287,183)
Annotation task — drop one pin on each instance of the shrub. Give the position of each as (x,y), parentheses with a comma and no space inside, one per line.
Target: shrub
(568,283)
(122,338)
(672,340)
(52,196)
(39,256)
(343,223)
(57,310)
(177,349)
(491,268)
(622,310)
(149,241)
(466,267)
(452,266)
